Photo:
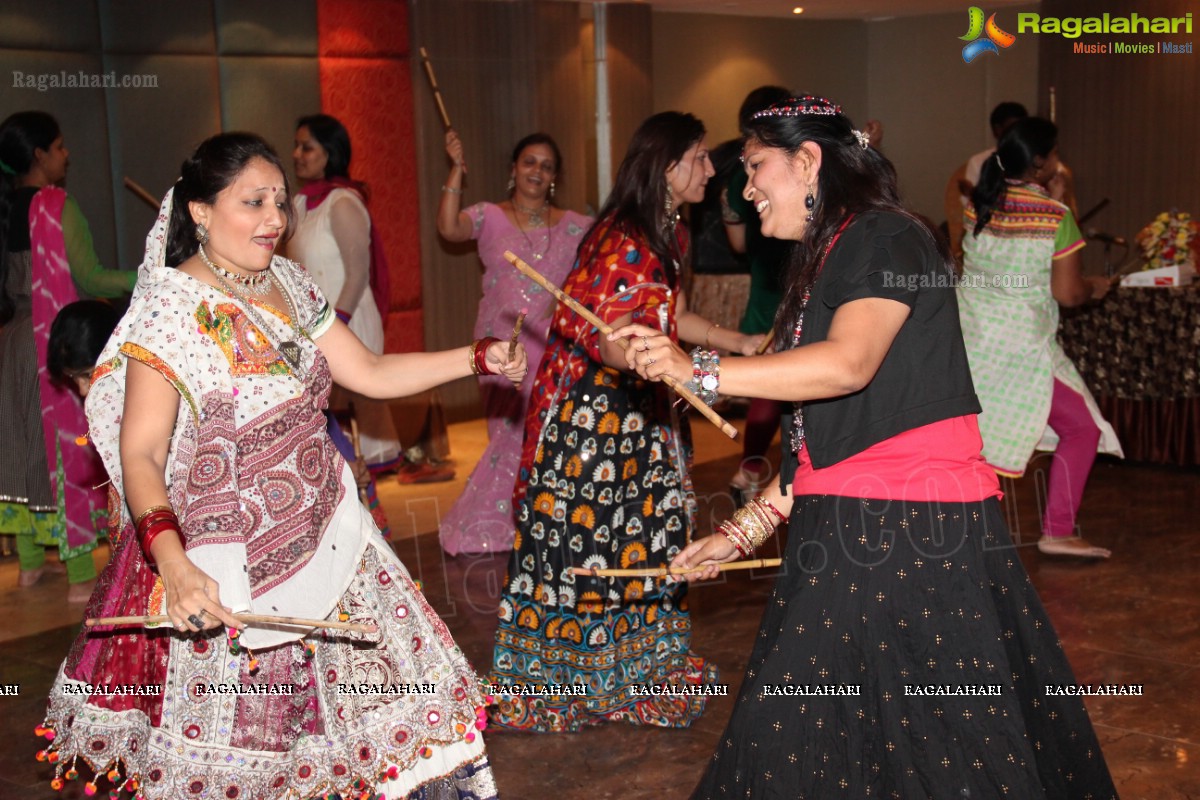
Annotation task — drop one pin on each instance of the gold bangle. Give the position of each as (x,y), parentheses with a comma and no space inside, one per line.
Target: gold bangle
(450,189)
(137,522)
(471,356)
(707,333)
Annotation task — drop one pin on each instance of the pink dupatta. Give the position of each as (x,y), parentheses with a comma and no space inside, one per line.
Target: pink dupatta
(63,423)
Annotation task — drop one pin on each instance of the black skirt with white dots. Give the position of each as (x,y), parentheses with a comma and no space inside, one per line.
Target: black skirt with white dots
(905,654)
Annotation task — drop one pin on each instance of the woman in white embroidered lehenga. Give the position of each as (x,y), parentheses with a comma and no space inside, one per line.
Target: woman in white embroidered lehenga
(207,410)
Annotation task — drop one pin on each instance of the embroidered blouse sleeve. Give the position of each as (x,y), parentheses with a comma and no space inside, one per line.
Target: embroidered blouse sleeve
(1068,238)
(316,315)
(477,213)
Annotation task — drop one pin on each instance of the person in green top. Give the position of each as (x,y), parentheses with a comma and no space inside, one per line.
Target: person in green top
(46,261)
(768,257)
(768,260)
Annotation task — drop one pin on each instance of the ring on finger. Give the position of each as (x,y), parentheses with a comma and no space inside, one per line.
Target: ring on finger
(195,621)
(645,344)
(649,361)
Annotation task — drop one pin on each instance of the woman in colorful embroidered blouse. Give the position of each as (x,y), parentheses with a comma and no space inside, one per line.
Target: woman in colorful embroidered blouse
(46,259)
(545,236)
(900,573)
(605,470)
(1022,261)
(208,409)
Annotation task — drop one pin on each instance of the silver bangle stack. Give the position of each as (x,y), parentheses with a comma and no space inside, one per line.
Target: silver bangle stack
(706,374)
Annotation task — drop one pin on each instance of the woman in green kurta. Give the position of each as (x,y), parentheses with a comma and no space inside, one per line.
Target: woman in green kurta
(46,255)
(1022,262)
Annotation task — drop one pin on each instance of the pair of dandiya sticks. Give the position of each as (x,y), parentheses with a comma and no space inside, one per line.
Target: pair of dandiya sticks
(657,572)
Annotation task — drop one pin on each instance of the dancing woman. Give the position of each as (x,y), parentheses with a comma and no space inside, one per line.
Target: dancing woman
(900,571)
(1026,247)
(228,496)
(530,225)
(48,472)
(605,468)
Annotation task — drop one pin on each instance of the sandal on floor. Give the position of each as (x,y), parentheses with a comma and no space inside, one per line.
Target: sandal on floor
(1070,546)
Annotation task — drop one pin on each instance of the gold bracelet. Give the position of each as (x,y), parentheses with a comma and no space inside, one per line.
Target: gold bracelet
(450,189)
(137,522)
(707,333)
(754,523)
(471,356)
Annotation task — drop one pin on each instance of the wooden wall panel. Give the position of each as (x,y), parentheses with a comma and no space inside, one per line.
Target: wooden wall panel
(630,73)
(504,70)
(1127,123)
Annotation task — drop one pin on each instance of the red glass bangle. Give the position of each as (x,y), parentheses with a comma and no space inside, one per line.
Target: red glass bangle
(481,347)
(153,522)
(771,506)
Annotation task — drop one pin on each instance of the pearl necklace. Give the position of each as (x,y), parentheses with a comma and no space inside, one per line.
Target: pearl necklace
(259,283)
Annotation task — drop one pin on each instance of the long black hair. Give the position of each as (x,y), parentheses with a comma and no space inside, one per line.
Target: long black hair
(78,335)
(216,164)
(1016,153)
(638,199)
(21,135)
(334,140)
(853,179)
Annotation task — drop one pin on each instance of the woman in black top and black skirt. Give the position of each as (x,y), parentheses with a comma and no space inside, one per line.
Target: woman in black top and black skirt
(904,652)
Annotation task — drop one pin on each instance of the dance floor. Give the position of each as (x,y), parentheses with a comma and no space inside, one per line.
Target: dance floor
(1132,620)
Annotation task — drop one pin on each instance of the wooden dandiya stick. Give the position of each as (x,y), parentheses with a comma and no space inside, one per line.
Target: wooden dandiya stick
(136,188)
(603,327)
(512,340)
(662,572)
(437,95)
(765,343)
(249,619)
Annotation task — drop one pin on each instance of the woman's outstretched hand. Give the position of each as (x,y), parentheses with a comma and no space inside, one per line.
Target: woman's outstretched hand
(454,149)
(707,552)
(191,594)
(652,354)
(498,361)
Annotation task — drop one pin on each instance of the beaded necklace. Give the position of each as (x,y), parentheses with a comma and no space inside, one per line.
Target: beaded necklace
(259,283)
(798,406)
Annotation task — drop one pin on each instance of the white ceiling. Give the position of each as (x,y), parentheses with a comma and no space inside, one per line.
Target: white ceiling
(826,9)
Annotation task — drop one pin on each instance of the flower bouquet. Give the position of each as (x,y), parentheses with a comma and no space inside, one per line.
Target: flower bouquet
(1169,246)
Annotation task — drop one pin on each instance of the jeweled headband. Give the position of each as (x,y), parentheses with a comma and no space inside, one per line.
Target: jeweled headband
(795,106)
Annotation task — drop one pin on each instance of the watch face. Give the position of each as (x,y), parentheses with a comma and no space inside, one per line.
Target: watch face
(709,382)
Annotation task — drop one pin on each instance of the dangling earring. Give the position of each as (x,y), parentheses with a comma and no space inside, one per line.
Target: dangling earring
(201,233)
(809,203)
(512,184)
(668,208)
(551,190)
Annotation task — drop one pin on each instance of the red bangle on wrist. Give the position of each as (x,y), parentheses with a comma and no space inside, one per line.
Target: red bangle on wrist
(344,316)
(153,523)
(481,347)
(771,506)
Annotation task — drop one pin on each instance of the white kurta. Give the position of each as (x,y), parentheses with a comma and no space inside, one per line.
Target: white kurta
(315,245)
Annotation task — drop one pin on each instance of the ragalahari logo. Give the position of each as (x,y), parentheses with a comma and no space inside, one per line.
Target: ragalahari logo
(995,39)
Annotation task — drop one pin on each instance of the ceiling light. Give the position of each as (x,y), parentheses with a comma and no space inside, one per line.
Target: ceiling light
(797,10)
